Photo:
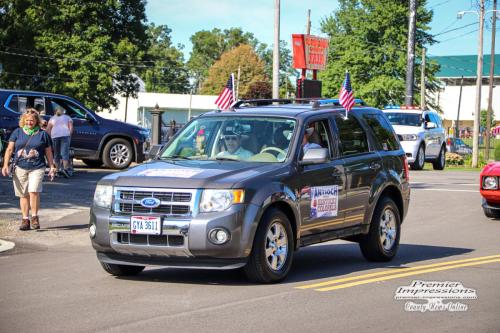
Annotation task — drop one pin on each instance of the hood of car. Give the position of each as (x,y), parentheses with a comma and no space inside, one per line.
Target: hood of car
(492,169)
(189,174)
(401,129)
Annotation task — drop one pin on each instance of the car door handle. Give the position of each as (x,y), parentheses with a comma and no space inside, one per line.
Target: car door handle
(374,166)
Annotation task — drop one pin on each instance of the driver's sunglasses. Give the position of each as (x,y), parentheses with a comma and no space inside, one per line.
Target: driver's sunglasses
(32,112)
(231,137)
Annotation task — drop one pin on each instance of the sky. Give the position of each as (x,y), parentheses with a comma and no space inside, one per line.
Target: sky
(186,17)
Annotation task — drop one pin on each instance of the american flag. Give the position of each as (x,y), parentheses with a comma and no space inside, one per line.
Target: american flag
(346,96)
(226,97)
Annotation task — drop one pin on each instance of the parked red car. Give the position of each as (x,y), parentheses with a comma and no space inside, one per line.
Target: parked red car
(490,189)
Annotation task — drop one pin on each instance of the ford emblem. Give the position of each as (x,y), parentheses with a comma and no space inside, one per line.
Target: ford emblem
(150,202)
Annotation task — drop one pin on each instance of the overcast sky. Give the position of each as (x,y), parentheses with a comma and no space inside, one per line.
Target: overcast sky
(185,17)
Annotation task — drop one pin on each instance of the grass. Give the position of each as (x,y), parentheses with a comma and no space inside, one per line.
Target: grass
(428,167)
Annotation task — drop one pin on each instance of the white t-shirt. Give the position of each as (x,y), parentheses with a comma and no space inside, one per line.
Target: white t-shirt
(60,126)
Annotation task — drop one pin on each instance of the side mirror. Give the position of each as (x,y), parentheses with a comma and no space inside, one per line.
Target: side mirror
(89,118)
(154,151)
(314,156)
(430,125)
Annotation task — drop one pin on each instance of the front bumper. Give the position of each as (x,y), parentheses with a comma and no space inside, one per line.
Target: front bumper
(183,241)
(411,149)
(490,205)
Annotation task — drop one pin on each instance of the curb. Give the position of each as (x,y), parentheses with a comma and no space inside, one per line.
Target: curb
(6,245)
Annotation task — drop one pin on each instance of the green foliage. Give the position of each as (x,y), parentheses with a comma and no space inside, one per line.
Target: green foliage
(244,57)
(368,38)
(83,49)
(484,114)
(497,152)
(208,46)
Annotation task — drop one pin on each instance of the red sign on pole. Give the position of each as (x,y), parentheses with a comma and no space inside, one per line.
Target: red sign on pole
(309,52)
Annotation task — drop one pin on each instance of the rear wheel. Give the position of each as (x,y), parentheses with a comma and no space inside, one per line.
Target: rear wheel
(92,163)
(272,252)
(121,270)
(419,159)
(117,154)
(440,162)
(491,213)
(382,241)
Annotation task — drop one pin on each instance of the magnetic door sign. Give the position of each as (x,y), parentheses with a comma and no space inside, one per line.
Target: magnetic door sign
(309,52)
(324,201)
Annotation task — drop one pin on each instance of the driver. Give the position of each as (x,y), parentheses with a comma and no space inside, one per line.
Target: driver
(306,145)
(232,142)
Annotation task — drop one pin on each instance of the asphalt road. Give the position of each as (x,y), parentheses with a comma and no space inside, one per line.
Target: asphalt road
(51,281)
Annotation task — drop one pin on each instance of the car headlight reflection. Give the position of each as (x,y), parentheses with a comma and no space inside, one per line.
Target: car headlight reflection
(409,137)
(490,183)
(103,196)
(219,200)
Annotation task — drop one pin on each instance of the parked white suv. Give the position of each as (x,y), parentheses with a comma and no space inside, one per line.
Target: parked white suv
(421,134)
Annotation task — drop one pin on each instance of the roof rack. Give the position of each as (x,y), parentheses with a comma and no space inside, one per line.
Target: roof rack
(262,101)
(336,102)
(313,102)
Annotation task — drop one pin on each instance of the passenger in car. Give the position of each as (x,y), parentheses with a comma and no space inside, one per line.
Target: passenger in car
(306,145)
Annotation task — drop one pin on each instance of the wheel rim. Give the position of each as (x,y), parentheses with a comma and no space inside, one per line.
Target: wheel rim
(119,154)
(388,231)
(276,246)
(421,156)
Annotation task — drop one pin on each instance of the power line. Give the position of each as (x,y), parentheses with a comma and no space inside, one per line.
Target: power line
(452,38)
(464,26)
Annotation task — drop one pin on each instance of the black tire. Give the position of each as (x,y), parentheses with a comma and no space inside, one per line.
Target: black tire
(258,268)
(122,270)
(93,163)
(440,162)
(371,245)
(491,213)
(419,162)
(117,154)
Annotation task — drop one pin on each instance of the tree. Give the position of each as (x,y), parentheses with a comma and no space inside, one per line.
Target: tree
(166,71)
(368,38)
(484,113)
(82,49)
(208,46)
(251,70)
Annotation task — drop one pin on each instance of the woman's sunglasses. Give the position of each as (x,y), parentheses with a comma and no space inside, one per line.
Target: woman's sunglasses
(230,137)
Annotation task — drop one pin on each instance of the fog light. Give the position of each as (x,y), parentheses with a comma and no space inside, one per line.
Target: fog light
(218,236)
(92,230)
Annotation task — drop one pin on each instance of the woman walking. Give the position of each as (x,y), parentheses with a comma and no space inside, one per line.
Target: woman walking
(60,128)
(30,146)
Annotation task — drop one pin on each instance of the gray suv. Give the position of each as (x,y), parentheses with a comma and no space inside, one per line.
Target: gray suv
(248,188)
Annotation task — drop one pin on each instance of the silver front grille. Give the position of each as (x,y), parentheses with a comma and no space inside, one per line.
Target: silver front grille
(173,202)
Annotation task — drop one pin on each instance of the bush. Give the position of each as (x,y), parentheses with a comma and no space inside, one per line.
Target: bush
(454,159)
(497,152)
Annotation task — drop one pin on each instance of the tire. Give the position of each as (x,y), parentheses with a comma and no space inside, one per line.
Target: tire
(491,213)
(440,162)
(93,163)
(117,154)
(419,159)
(122,270)
(376,246)
(271,268)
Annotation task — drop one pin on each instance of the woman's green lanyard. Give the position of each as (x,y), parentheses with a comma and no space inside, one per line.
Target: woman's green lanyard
(31,131)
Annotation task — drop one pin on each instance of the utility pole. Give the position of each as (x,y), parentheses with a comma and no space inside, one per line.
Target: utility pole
(477,115)
(422,80)
(276,51)
(490,88)
(457,128)
(410,58)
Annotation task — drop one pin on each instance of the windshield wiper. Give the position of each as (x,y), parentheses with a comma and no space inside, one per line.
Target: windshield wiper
(223,158)
(175,156)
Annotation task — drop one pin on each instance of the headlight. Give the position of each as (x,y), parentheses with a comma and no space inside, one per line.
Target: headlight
(219,200)
(490,183)
(409,137)
(103,196)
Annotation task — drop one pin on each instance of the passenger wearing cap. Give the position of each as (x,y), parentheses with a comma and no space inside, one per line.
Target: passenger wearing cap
(232,142)
(305,140)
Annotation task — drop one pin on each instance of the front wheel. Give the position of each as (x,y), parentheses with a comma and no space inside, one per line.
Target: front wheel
(272,253)
(440,162)
(419,159)
(121,270)
(117,154)
(382,241)
(491,213)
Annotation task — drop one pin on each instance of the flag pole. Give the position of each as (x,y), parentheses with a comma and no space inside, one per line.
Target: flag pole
(346,73)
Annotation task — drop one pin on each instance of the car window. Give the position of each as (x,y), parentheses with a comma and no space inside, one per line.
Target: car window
(404,118)
(427,117)
(386,138)
(320,135)
(257,139)
(437,120)
(352,136)
(70,109)
(19,103)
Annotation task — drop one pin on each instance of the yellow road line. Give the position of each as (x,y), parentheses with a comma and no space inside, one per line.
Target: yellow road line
(390,277)
(395,271)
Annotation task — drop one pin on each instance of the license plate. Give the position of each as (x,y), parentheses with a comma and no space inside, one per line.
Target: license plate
(145,225)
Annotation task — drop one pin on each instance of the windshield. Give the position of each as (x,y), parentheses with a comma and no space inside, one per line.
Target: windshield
(257,139)
(405,119)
